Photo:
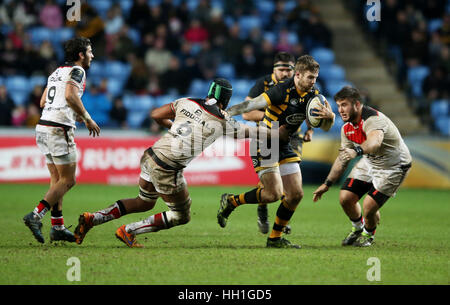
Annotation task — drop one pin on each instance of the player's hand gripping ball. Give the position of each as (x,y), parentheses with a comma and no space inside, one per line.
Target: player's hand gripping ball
(311,108)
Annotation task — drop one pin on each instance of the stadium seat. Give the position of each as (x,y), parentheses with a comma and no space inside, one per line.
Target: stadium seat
(19,97)
(415,76)
(115,86)
(270,36)
(40,34)
(247,23)
(440,108)
(138,103)
(332,87)
(135,118)
(117,69)
(241,87)
(198,88)
(126,6)
(18,84)
(332,72)
(101,6)
(226,70)
(37,80)
(59,36)
(442,124)
(323,56)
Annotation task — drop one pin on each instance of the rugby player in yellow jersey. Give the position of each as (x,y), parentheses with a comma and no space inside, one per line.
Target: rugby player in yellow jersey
(285,106)
(283,69)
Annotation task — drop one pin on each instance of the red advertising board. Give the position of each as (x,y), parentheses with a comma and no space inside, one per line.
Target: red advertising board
(114,160)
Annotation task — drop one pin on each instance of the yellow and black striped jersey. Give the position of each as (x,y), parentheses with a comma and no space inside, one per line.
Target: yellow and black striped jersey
(262,85)
(287,105)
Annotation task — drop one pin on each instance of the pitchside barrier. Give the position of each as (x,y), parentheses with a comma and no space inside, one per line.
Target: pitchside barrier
(113,158)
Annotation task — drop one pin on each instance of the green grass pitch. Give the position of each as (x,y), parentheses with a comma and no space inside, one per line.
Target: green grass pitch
(412,243)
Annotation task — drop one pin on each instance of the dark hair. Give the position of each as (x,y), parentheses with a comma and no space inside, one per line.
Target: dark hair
(350,93)
(306,63)
(74,46)
(284,57)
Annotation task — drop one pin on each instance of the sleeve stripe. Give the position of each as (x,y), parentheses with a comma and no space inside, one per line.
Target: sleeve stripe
(267,98)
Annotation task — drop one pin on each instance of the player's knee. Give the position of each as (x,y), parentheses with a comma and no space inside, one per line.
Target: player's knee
(272,196)
(346,201)
(68,182)
(179,214)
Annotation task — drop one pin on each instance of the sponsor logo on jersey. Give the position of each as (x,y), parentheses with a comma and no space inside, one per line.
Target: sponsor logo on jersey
(296,118)
(194,116)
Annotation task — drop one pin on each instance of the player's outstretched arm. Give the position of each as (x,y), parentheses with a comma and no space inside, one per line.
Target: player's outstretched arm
(338,168)
(254,115)
(74,102)
(258,102)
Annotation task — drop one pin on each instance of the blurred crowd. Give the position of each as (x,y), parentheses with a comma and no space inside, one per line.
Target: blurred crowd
(165,43)
(414,37)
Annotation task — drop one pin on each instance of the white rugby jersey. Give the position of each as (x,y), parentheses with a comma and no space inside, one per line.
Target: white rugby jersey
(393,151)
(196,126)
(56,108)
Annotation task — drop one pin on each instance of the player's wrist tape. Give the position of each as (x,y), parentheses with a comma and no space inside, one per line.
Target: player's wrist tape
(328,182)
(359,150)
(86,116)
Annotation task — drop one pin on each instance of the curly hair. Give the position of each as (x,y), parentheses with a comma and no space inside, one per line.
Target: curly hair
(74,46)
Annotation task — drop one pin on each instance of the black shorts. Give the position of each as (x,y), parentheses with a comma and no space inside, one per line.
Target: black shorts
(285,155)
(360,188)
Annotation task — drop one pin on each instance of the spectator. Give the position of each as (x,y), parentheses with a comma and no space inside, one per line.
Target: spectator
(176,77)
(208,60)
(202,11)
(6,107)
(436,85)
(118,114)
(33,114)
(114,20)
(137,82)
(247,64)
(139,15)
(19,116)
(196,33)
(50,15)
(9,59)
(158,57)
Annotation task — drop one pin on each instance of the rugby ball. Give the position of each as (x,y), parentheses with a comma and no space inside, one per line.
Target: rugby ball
(311,116)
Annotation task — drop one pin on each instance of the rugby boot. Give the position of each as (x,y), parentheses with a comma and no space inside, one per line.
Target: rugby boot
(281,243)
(127,238)
(365,240)
(85,223)
(225,210)
(35,225)
(352,237)
(61,235)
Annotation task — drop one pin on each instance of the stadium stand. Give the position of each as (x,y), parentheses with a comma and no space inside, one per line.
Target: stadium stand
(414,38)
(131,38)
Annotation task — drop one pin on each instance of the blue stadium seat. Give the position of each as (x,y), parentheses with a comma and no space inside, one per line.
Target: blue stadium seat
(18,84)
(415,76)
(96,69)
(442,124)
(138,103)
(117,69)
(164,99)
(323,56)
(126,6)
(440,108)
(332,87)
(226,70)
(332,72)
(434,25)
(241,87)
(270,36)
(198,88)
(101,6)
(38,80)
(135,118)
(40,34)
(19,97)
(247,23)
(115,86)
(59,36)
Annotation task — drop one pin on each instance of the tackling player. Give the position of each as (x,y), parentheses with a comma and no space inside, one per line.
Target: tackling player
(285,104)
(62,105)
(283,69)
(193,124)
(384,165)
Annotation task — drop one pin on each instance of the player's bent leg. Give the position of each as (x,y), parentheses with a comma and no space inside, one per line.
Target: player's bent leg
(371,205)
(351,207)
(292,184)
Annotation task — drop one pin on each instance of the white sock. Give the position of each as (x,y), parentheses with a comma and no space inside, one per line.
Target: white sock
(153,223)
(358,224)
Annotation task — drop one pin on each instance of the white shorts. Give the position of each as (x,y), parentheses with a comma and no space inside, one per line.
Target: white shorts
(165,181)
(386,181)
(284,169)
(57,144)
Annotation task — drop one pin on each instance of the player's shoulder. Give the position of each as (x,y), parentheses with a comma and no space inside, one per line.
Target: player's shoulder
(368,112)
(209,106)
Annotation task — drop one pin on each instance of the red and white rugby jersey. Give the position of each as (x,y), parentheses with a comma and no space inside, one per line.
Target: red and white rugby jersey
(393,150)
(56,108)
